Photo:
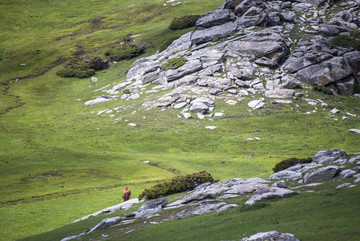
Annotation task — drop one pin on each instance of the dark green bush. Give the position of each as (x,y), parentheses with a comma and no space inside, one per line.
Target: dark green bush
(176,185)
(124,51)
(82,67)
(347,41)
(174,63)
(183,22)
(290,162)
(322,89)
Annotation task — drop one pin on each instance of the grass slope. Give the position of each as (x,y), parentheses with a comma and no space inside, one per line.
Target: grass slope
(59,161)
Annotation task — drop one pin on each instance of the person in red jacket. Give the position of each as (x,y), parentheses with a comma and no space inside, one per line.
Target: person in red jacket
(126,194)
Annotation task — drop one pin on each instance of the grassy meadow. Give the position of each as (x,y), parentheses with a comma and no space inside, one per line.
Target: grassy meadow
(60,161)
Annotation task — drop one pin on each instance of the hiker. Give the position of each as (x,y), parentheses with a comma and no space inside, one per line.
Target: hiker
(126,194)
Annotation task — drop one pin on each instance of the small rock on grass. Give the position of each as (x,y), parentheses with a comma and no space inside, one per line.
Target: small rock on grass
(355,131)
(210,127)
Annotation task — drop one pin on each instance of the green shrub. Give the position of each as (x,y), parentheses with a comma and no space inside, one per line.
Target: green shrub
(290,162)
(183,22)
(322,89)
(176,185)
(347,41)
(82,67)
(174,63)
(124,51)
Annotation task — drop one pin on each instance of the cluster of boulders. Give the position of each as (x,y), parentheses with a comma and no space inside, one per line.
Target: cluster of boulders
(248,47)
(209,197)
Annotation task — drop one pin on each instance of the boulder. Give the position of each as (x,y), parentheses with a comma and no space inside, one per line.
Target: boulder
(199,107)
(353,58)
(346,86)
(205,207)
(217,17)
(203,192)
(329,156)
(189,67)
(146,213)
(295,64)
(269,192)
(265,43)
(246,187)
(279,93)
(205,35)
(347,173)
(98,100)
(153,204)
(245,5)
(285,174)
(182,43)
(231,4)
(105,223)
(338,67)
(271,235)
(256,104)
(290,82)
(253,17)
(321,174)
(306,75)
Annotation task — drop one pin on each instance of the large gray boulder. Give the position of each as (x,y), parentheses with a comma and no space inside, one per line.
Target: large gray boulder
(256,104)
(321,174)
(182,43)
(247,186)
(279,93)
(204,192)
(217,17)
(205,207)
(205,35)
(253,17)
(105,223)
(265,43)
(271,236)
(269,192)
(285,174)
(189,67)
(329,156)
(245,5)
(150,208)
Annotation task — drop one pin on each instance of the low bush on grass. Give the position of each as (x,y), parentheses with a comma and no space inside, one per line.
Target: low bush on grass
(290,162)
(174,63)
(125,51)
(183,22)
(82,66)
(347,41)
(322,89)
(176,185)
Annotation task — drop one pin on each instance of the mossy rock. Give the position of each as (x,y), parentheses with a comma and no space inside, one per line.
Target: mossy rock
(174,63)
(183,22)
(176,185)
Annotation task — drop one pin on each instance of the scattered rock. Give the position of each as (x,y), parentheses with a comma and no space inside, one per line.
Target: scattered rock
(347,173)
(271,235)
(269,192)
(256,104)
(329,156)
(205,207)
(105,223)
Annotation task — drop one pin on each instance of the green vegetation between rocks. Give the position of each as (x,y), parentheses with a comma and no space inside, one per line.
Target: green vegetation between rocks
(350,40)
(176,185)
(290,162)
(174,63)
(323,89)
(183,22)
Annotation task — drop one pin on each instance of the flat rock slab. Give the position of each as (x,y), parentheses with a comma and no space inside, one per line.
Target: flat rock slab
(321,174)
(256,104)
(268,193)
(355,131)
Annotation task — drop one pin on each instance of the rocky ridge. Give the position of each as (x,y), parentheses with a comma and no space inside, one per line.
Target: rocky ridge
(273,48)
(210,197)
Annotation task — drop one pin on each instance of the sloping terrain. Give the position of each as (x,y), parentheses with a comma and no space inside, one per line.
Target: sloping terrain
(64,157)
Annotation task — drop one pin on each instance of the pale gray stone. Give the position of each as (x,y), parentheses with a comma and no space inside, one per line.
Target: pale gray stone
(279,93)
(329,156)
(285,174)
(204,207)
(268,193)
(189,67)
(105,223)
(347,173)
(208,34)
(256,104)
(217,17)
(271,235)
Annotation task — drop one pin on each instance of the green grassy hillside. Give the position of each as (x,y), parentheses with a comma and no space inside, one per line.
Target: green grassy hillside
(59,160)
